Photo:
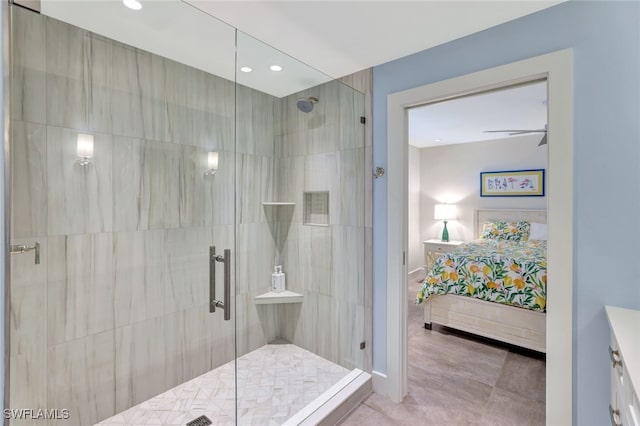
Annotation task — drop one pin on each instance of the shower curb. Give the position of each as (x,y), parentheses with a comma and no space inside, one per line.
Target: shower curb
(336,402)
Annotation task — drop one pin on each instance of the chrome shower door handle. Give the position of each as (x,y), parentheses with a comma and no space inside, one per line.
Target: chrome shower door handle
(213,302)
(21,248)
(227,284)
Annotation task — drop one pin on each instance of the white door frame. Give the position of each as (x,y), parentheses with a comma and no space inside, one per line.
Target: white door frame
(557,68)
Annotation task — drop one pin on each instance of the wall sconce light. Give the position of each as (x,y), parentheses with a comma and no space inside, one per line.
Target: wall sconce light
(212,163)
(84,149)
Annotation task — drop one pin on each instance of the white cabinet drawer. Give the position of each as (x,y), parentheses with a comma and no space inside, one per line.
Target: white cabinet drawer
(439,248)
(634,413)
(625,407)
(629,405)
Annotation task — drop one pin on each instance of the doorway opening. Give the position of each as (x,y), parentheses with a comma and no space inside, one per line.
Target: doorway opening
(556,68)
(480,295)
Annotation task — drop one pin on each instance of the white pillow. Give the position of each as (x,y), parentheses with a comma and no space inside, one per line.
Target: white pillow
(538,231)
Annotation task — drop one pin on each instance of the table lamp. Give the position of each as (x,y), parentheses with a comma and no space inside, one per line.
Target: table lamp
(444,212)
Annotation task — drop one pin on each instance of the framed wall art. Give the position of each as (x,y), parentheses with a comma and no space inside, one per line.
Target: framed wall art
(513,183)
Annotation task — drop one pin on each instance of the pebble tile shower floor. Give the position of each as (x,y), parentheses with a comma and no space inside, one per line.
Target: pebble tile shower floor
(274,383)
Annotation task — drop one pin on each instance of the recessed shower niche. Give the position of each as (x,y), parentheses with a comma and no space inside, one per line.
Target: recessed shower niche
(316,208)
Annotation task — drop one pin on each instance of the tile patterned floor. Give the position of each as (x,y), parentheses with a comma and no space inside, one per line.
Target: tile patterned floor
(458,379)
(274,382)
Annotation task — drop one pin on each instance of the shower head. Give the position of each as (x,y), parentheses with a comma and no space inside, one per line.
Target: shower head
(306,104)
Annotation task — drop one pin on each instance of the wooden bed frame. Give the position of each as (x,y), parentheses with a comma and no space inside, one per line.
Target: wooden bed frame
(516,326)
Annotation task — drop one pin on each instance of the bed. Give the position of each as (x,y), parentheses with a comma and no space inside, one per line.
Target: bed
(491,287)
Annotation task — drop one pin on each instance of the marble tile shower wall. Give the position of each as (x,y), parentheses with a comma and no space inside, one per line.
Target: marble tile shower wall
(116,312)
(326,150)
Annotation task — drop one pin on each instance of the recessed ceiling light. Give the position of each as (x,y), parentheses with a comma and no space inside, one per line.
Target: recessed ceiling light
(437,140)
(276,68)
(132,4)
(246,69)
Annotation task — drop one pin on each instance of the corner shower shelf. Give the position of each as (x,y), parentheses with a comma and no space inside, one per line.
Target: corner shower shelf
(278,203)
(270,298)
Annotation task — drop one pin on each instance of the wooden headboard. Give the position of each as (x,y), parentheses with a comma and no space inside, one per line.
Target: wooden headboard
(484,215)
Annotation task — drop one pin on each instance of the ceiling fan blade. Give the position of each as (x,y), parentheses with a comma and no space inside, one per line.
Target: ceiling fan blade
(543,141)
(516,132)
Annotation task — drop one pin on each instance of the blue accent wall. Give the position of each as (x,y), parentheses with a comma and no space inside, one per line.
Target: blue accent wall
(605,37)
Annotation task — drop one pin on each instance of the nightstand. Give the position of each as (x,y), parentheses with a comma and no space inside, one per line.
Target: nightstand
(435,248)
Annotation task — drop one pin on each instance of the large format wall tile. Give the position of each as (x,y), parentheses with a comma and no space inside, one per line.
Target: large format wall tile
(79,66)
(290,183)
(78,197)
(29,180)
(80,286)
(139,276)
(255,258)
(348,263)
(306,323)
(255,179)
(28,81)
(188,351)
(222,100)
(161,184)
(254,333)
(193,186)
(350,198)
(137,96)
(325,331)
(308,259)
(256,126)
(191,117)
(130,191)
(28,326)
(147,184)
(350,332)
(186,268)
(80,378)
(139,362)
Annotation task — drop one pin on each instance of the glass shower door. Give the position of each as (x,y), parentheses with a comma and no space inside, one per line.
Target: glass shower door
(122,152)
(158,175)
(299,211)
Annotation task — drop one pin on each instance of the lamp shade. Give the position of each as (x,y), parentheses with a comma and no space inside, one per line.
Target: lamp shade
(444,211)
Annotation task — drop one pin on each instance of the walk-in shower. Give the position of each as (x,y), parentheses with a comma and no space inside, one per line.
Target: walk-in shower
(162,187)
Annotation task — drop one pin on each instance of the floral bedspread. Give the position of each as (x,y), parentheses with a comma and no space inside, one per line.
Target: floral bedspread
(508,272)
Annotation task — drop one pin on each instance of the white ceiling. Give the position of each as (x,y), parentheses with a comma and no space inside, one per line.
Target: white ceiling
(178,31)
(465,119)
(335,37)
(341,37)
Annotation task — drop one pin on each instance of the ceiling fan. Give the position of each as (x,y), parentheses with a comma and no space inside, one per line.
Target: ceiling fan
(543,141)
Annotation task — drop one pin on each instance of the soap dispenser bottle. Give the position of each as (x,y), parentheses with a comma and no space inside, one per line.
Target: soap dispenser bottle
(275,280)
(281,281)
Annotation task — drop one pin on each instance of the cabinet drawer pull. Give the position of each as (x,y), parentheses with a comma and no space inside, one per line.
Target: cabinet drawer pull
(615,358)
(614,414)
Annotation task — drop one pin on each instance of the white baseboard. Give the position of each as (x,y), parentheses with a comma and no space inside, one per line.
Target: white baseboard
(416,274)
(379,383)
